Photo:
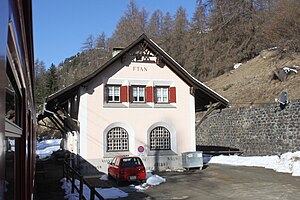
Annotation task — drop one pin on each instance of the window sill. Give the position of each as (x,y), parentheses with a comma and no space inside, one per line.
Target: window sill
(139,105)
(114,105)
(164,106)
(116,153)
(161,153)
(11,129)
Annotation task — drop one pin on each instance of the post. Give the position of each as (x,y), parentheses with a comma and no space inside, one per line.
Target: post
(81,188)
(73,182)
(92,197)
(64,168)
(67,171)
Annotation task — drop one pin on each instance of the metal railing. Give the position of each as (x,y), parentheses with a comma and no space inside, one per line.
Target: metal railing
(71,175)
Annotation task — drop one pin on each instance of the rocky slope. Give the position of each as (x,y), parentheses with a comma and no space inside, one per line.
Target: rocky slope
(255,82)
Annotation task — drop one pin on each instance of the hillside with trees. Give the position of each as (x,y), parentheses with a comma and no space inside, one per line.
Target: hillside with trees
(218,35)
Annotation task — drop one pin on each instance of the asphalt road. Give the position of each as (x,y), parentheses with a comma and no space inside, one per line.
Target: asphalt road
(222,182)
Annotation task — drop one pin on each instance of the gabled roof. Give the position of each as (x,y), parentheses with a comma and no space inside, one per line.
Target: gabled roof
(203,94)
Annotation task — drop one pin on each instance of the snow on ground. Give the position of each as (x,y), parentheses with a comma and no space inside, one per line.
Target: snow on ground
(155,180)
(104,177)
(46,143)
(148,173)
(107,193)
(140,188)
(286,163)
(45,148)
(110,193)
(237,65)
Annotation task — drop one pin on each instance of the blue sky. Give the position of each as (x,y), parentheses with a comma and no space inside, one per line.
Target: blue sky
(61,26)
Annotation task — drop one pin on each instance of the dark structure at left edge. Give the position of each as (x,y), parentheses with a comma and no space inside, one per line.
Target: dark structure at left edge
(17,107)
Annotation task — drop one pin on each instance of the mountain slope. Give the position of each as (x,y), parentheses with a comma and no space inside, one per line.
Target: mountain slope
(253,83)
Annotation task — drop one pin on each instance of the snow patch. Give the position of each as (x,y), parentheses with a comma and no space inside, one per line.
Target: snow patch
(45,148)
(289,69)
(148,173)
(106,193)
(272,48)
(155,180)
(142,187)
(152,180)
(104,177)
(111,193)
(237,65)
(286,163)
(44,153)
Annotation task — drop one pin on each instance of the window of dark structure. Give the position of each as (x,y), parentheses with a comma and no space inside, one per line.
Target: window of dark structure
(9,167)
(13,99)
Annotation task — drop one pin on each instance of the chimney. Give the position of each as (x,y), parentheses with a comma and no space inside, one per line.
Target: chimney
(116,51)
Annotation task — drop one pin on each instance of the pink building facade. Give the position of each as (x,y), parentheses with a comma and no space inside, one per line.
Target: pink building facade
(141,102)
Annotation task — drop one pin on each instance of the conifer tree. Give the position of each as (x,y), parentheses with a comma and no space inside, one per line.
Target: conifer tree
(52,80)
(196,54)
(101,42)
(166,32)
(40,83)
(154,28)
(179,36)
(89,43)
(130,26)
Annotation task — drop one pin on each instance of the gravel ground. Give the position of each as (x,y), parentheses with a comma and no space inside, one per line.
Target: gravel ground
(222,182)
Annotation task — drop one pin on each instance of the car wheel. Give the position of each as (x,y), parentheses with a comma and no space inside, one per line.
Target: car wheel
(109,176)
(119,183)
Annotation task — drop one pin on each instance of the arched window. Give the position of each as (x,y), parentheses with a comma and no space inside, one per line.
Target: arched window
(117,140)
(160,139)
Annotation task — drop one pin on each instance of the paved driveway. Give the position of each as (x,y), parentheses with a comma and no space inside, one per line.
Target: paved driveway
(223,182)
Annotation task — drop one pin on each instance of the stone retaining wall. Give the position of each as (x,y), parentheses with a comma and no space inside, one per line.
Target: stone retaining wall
(262,130)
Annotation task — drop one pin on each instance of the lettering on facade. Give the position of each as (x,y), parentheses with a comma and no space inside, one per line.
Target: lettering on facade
(139,69)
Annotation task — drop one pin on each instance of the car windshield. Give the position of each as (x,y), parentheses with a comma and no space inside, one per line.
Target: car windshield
(131,162)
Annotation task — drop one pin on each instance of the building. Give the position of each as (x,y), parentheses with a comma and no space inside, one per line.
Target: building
(141,102)
(17,108)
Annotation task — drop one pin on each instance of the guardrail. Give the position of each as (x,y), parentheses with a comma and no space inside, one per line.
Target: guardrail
(71,174)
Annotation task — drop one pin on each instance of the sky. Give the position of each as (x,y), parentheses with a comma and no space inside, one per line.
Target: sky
(60,27)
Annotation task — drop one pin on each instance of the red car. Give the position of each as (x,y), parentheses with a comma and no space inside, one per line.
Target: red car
(127,168)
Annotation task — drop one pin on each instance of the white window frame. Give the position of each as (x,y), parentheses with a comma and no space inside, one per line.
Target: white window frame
(138,94)
(114,94)
(160,138)
(119,140)
(162,94)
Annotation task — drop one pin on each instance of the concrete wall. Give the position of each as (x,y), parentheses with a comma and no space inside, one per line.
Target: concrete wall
(160,163)
(262,130)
